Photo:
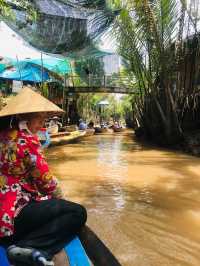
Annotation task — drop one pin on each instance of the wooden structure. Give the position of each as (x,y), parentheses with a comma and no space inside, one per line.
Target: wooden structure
(99,84)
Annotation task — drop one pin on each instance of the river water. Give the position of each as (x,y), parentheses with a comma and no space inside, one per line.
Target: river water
(143,202)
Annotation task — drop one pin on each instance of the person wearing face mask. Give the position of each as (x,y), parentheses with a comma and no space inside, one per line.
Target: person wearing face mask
(35,221)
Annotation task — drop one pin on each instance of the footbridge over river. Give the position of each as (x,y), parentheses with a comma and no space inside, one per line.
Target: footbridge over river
(99,84)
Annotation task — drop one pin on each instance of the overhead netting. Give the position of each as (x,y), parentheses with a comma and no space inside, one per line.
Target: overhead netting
(61,26)
(87,53)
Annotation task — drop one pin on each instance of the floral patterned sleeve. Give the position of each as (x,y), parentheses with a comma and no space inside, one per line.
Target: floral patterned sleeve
(39,173)
(24,176)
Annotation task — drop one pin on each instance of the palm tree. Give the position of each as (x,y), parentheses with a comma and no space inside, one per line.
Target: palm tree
(152,37)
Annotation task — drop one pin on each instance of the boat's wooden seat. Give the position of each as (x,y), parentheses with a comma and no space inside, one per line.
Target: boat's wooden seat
(75,253)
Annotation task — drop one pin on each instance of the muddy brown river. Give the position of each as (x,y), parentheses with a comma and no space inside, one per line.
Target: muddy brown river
(143,202)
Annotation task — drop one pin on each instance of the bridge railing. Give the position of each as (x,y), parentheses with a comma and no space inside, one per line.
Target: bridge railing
(106,81)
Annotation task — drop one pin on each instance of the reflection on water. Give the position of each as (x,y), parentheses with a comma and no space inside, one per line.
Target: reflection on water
(143,202)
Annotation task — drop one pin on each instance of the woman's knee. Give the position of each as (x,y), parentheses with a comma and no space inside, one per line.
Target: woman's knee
(79,211)
(83,214)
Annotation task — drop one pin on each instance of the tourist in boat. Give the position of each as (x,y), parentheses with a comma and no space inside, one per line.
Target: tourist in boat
(35,221)
(55,121)
(82,125)
(90,124)
(117,125)
(54,126)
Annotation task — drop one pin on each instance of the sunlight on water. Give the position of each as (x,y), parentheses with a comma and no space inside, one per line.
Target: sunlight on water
(143,202)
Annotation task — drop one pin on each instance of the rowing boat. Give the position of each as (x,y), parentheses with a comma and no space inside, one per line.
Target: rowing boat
(84,250)
(67,138)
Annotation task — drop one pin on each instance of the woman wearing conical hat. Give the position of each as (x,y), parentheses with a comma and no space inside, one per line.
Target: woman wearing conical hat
(35,222)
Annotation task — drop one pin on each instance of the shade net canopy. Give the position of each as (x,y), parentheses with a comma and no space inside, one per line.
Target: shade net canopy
(56,65)
(87,53)
(61,26)
(26,73)
(5,63)
(2,67)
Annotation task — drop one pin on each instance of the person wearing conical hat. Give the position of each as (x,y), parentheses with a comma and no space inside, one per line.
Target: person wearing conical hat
(35,222)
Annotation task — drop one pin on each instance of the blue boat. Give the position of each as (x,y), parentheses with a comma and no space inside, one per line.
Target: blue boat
(75,253)
(85,250)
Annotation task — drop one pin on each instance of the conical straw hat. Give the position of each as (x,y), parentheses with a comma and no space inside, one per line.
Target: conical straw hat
(28,101)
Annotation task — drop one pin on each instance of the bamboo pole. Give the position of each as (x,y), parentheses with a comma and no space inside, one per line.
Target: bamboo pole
(18,66)
(63,97)
(42,72)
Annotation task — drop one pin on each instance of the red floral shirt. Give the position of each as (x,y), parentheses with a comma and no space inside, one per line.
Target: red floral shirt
(24,176)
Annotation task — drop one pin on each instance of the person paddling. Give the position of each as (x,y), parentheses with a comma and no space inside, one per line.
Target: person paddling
(35,221)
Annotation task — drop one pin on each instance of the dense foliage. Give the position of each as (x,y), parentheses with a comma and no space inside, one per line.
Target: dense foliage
(158,40)
(118,109)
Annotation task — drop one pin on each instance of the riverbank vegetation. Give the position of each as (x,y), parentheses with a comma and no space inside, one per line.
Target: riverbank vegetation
(159,42)
(116,108)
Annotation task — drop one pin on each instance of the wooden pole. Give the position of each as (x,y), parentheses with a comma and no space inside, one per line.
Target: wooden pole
(42,74)
(18,66)
(63,97)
